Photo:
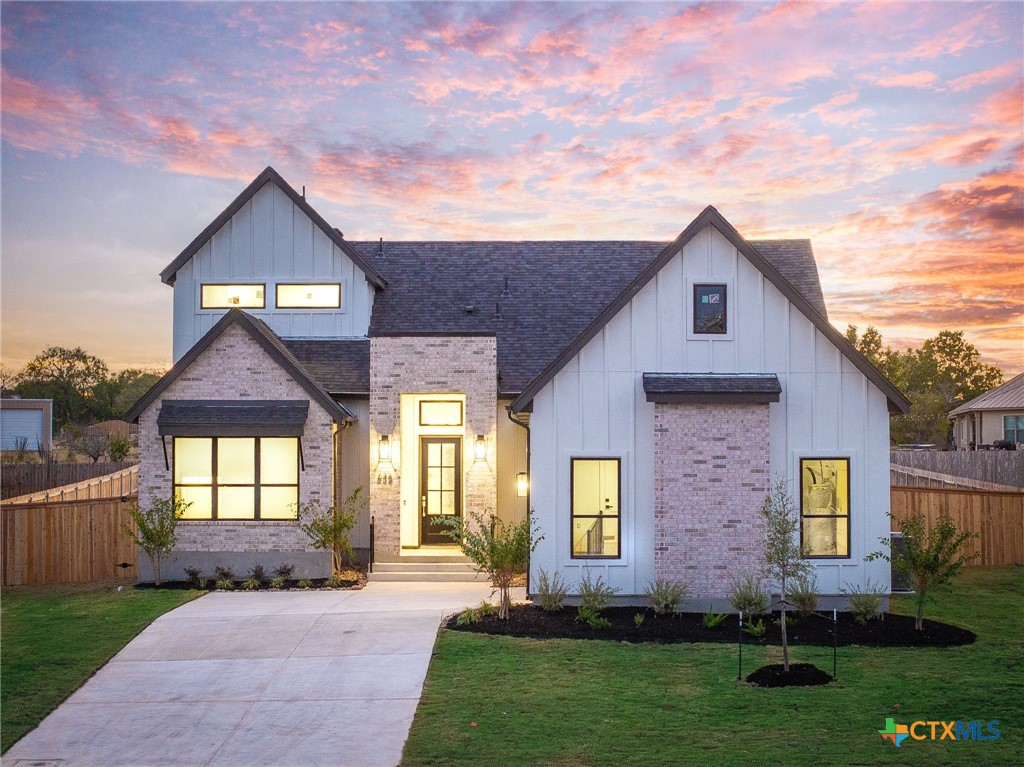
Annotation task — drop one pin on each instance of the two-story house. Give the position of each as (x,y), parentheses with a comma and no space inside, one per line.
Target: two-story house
(639,397)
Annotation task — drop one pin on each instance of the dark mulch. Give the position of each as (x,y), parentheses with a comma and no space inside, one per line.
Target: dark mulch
(352,578)
(893,631)
(799,675)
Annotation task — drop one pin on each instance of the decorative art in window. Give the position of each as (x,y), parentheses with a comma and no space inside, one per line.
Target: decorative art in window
(709,309)
(825,506)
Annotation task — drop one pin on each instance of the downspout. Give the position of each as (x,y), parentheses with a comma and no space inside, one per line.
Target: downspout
(529,486)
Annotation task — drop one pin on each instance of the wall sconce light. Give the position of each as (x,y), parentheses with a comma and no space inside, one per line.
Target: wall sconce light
(480,449)
(384,449)
(522,484)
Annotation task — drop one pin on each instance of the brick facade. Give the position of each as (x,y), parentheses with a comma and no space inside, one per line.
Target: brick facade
(435,365)
(236,367)
(710,479)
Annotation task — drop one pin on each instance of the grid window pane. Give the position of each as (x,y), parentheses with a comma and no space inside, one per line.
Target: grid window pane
(193,461)
(200,500)
(236,503)
(236,461)
(278,502)
(279,461)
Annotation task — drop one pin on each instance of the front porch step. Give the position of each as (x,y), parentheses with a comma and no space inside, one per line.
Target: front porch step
(461,571)
(423,577)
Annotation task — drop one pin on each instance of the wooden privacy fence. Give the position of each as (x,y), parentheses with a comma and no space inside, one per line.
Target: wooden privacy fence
(66,542)
(17,479)
(997,516)
(999,467)
(114,485)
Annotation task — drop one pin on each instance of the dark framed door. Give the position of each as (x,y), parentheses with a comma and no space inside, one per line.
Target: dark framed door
(440,487)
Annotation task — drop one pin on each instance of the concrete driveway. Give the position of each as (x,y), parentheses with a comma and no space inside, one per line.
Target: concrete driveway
(236,680)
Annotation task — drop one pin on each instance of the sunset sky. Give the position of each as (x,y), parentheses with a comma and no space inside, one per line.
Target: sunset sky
(892,135)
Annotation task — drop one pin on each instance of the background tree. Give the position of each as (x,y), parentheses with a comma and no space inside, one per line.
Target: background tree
(67,376)
(114,396)
(87,441)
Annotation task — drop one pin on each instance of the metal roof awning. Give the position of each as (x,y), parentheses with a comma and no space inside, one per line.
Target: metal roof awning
(232,418)
(725,388)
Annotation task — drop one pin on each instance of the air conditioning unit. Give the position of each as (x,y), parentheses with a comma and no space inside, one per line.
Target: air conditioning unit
(901,581)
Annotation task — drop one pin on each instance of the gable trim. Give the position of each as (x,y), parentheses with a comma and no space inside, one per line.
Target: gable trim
(269,175)
(261,335)
(898,403)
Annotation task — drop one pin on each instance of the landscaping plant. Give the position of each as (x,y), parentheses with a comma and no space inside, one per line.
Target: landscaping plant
(278,582)
(783,556)
(551,591)
(933,556)
(665,595)
(305,583)
(155,528)
(594,595)
(252,584)
(747,595)
(712,620)
(195,577)
(329,528)
(223,573)
(284,571)
(803,594)
(757,629)
(499,549)
(225,584)
(638,619)
(119,448)
(865,603)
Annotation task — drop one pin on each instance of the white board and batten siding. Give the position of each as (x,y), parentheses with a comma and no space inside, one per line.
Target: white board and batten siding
(596,406)
(270,240)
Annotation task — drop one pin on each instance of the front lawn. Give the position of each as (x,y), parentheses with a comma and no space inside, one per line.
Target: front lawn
(56,637)
(495,700)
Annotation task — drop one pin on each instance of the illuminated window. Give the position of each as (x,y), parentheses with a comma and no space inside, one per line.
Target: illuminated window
(308,296)
(595,507)
(237,477)
(709,315)
(440,413)
(233,297)
(825,506)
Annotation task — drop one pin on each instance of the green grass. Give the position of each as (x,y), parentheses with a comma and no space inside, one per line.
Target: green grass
(587,703)
(56,637)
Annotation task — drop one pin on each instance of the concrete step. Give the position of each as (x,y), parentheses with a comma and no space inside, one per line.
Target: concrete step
(463,565)
(421,576)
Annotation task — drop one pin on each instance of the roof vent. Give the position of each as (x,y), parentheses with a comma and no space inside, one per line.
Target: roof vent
(497,312)
(470,309)
(380,248)
(505,293)
(338,231)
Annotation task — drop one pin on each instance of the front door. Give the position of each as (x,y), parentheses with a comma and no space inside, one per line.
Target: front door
(440,487)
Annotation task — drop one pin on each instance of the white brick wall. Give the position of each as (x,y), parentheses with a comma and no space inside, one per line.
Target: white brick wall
(710,479)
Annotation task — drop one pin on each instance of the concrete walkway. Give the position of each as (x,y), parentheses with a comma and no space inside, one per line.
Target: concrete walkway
(235,680)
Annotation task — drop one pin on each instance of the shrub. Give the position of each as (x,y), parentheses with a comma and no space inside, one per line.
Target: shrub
(500,550)
(638,619)
(278,582)
(334,582)
(194,576)
(258,573)
(284,570)
(594,595)
(747,595)
(155,530)
(119,448)
(252,584)
(485,608)
(594,619)
(803,595)
(755,629)
(329,528)
(713,620)
(665,595)
(225,584)
(305,583)
(223,573)
(467,616)
(865,603)
(788,620)
(551,591)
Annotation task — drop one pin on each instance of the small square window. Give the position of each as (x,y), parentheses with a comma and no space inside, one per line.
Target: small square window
(709,309)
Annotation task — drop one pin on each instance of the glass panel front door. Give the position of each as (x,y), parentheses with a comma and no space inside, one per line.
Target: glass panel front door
(440,487)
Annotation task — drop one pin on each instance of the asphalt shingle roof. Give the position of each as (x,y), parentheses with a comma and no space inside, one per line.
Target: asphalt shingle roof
(178,415)
(703,383)
(339,366)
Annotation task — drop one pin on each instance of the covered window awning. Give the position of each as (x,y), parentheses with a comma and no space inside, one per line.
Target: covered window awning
(723,388)
(232,418)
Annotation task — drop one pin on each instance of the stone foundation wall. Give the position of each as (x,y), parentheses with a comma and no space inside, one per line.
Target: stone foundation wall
(710,479)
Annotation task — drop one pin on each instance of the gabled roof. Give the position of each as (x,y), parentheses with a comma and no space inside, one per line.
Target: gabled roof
(709,216)
(270,176)
(269,342)
(1006,396)
(341,366)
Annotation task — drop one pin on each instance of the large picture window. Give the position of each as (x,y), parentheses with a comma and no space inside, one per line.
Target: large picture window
(825,507)
(233,297)
(596,521)
(709,309)
(237,477)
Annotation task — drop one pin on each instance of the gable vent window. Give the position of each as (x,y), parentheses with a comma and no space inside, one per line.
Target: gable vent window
(233,297)
(309,296)
(709,309)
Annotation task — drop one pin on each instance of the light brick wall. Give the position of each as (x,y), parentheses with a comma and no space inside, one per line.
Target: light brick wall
(236,367)
(435,365)
(710,479)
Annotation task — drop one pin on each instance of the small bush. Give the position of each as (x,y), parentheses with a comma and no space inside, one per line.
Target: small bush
(252,584)
(594,619)
(305,583)
(258,573)
(594,595)
(803,595)
(284,570)
(755,629)
(223,573)
(119,448)
(747,595)
(485,609)
(865,603)
(712,620)
(638,619)
(551,591)
(278,582)
(467,616)
(225,584)
(194,575)
(665,595)
(334,582)
(789,622)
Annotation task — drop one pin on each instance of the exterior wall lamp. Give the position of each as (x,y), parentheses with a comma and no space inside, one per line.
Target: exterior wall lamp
(480,449)
(522,484)
(384,449)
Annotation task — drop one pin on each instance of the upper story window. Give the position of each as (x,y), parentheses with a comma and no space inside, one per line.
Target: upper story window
(596,523)
(709,309)
(234,296)
(309,296)
(825,507)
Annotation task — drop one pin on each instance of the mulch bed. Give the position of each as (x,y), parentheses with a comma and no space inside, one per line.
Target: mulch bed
(799,675)
(893,631)
(352,578)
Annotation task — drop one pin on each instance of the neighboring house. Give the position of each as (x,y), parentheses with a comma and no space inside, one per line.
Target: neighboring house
(998,414)
(26,424)
(639,397)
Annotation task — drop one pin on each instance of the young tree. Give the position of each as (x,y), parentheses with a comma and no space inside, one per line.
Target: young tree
(329,528)
(933,556)
(156,528)
(783,556)
(500,550)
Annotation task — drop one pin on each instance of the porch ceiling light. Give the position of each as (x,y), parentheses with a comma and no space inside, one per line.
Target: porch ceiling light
(384,449)
(522,484)
(480,449)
